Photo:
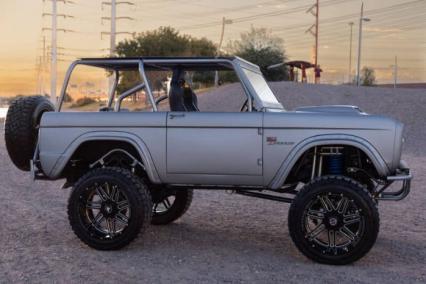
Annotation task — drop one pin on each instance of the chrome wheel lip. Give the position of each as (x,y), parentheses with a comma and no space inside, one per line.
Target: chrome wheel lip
(338,223)
(104,210)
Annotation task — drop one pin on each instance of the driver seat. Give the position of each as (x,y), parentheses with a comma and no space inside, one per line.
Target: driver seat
(181,96)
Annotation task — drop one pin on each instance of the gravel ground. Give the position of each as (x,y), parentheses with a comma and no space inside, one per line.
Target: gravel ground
(222,238)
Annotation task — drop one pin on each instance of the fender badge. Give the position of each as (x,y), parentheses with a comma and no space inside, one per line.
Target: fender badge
(272,140)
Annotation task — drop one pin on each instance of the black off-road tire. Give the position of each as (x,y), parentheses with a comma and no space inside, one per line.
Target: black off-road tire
(139,200)
(183,199)
(21,128)
(337,185)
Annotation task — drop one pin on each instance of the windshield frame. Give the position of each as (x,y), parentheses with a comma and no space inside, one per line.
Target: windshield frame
(260,102)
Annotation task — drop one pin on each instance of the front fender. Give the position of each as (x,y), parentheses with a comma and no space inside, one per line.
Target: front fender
(134,140)
(328,139)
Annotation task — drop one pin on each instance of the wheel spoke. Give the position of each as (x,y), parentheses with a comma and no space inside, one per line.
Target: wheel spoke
(346,232)
(351,219)
(102,194)
(319,229)
(342,207)
(166,203)
(97,220)
(93,205)
(326,203)
(114,193)
(121,218)
(123,205)
(315,214)
(331,238)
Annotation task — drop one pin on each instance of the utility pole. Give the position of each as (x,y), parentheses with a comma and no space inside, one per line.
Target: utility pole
(395,72)
(113,30)
(314,10)
(358,67)
(351,24)
(224,22)
(54,44)
(54,57)
(316,32)
(113,27)
(113,19)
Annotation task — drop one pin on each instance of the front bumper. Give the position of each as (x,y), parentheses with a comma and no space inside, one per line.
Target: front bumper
(403,175)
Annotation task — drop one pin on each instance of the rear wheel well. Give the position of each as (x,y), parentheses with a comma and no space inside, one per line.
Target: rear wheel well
(333,159)
(89,152)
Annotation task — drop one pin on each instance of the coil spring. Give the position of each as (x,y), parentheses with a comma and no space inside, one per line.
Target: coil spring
(335,164)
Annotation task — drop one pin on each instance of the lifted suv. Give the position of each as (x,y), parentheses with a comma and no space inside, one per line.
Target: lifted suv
(129,169)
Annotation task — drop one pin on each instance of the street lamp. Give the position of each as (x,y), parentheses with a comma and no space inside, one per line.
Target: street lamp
(361,20)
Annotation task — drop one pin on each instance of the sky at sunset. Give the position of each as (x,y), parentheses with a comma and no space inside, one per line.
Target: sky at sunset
(397,28)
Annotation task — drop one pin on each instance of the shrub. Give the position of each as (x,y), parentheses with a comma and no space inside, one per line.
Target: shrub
(84,101)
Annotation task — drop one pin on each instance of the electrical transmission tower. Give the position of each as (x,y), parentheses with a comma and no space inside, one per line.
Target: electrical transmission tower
(351,24)
(395,72)
(54,41)
(41,68)
(313,30)
(113,19)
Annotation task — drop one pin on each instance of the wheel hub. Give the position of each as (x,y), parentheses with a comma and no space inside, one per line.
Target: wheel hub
(333,220)
(109,209)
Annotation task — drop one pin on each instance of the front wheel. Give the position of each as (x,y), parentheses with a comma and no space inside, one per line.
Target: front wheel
(108,207)
(334,220)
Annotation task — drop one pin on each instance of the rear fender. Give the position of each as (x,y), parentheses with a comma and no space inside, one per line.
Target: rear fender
(123,136)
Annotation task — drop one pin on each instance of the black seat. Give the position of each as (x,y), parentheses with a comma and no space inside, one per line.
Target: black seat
(181,96)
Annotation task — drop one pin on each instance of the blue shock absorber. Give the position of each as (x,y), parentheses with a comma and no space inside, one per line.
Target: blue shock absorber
(335,164)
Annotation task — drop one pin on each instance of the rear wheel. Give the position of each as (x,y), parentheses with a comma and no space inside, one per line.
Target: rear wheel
(169,205)
(108,207)
(334,220)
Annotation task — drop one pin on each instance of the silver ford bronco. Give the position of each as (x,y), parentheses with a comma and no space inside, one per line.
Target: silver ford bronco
(128,169)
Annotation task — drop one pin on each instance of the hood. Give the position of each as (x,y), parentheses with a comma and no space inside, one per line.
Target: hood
(341,109)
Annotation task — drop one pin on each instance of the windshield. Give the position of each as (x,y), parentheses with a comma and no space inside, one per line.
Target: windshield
(262,89)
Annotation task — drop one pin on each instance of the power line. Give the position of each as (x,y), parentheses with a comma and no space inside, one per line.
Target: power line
(261,15)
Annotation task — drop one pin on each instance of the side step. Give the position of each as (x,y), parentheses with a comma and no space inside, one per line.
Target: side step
(264,196)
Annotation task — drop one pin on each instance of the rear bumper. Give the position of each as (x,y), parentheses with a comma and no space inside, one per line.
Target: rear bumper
(403,175)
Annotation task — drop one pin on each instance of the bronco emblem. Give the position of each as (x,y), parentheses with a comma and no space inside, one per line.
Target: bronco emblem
(272,140)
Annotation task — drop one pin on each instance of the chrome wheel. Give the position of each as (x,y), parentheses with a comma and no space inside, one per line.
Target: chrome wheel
(104,210)
(334,220)
(333,223)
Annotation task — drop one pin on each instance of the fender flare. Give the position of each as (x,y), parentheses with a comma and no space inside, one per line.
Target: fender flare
(342,139)
(123,136)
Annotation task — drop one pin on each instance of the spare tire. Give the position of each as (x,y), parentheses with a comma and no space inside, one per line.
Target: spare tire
(21,128)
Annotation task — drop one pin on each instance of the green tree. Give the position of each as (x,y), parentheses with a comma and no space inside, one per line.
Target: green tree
(262,48)
(164,41)
(368,76)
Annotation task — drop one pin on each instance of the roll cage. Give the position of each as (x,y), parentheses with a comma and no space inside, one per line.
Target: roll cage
(143,64)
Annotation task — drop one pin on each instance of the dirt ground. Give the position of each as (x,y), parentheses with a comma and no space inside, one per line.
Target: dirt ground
(222,238)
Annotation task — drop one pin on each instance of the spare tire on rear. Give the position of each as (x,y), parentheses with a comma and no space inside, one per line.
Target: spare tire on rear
(21,128)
